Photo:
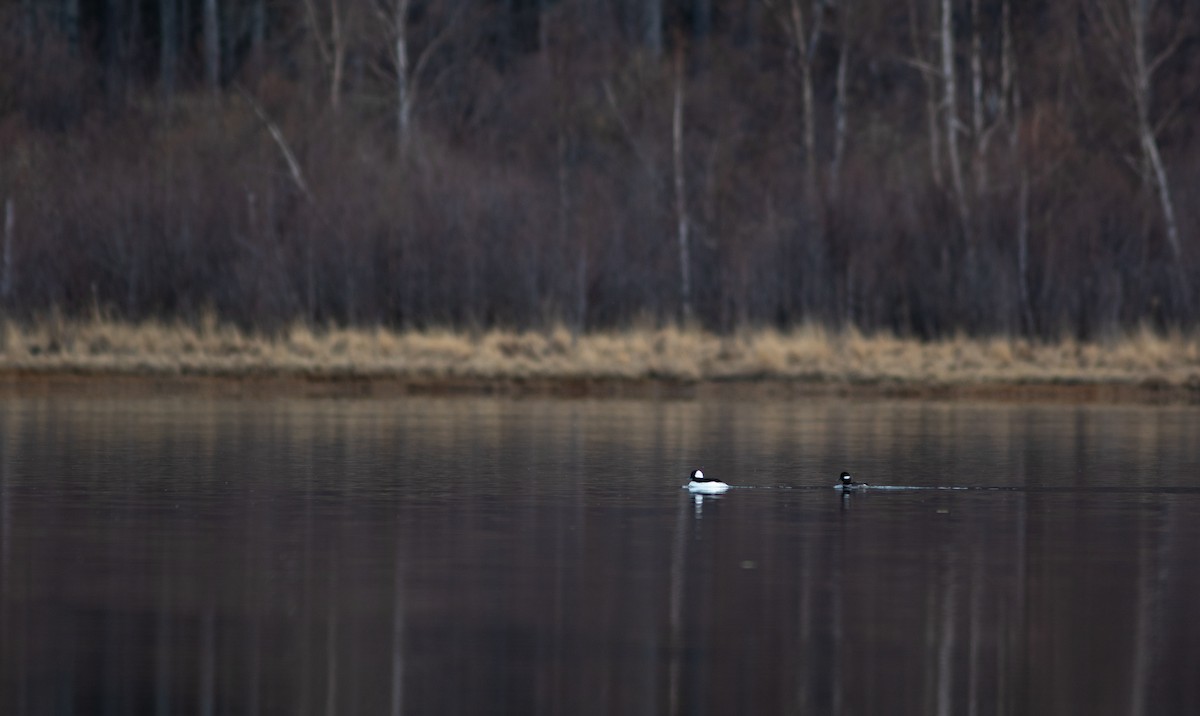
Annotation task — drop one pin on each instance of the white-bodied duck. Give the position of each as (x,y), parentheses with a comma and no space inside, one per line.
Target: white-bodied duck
(705,485)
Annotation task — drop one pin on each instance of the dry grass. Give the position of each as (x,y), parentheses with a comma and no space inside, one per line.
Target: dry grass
(810,353)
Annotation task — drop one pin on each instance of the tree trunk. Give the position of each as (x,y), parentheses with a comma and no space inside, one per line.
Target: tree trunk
(212,45)
(1023,252)
(810,133)
(1008,91)
(1010,108)
(6,268)
(564,228)
(403,89)
(70,24)
(681,212)
(1142,78)
(701,18)
(258,28)
(805,40)
(839,118)
(111,51)
(932,114)
(977,118)
(951,121)
(337,41)
(29,24)
(652,26)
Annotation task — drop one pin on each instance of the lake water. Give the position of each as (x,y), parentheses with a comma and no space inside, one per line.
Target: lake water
(469,556)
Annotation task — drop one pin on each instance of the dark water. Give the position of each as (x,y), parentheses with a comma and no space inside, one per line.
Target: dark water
(468,556)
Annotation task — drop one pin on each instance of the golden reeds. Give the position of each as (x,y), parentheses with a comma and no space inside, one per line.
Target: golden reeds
(807,353)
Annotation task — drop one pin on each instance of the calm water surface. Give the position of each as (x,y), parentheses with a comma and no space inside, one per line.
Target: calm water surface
(470,556)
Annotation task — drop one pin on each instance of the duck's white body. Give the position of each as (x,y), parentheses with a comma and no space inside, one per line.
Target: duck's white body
(710,487)
(706,485)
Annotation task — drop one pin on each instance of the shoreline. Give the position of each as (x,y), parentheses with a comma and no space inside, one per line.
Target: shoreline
(103,357)
(275,384)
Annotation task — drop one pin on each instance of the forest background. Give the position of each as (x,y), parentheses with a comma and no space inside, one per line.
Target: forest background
(925,168)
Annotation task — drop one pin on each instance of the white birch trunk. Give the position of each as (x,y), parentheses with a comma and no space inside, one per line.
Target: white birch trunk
(1142,78)
(951,121)
(403,88)
(337,41)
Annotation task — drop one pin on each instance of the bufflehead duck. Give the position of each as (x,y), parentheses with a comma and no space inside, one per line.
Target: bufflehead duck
(706,485)
(848,483)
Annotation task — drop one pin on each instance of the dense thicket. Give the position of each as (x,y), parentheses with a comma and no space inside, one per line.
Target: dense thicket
(927,166)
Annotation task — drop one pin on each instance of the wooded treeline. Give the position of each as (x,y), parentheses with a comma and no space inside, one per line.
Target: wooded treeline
(921,166)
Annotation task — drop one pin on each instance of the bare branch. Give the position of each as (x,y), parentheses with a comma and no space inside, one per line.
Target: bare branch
(629,135)
(280,141)
(921,66)
(1180,34)
(311,11)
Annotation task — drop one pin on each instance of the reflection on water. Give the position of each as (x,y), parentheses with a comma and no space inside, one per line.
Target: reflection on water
(492,556)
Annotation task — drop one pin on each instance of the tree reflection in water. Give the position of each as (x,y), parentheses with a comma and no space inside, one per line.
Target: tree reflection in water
(463,556)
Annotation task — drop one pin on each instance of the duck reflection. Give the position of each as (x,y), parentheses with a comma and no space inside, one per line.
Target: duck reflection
(699,501)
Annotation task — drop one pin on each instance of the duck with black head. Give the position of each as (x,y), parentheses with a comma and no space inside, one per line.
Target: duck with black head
(847,483)
(705,485)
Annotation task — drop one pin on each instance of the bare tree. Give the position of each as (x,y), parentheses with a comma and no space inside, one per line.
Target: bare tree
(337,43)
(409,66)
(404,92)
(6,277)
(652,25)
(1010,107)
(258,27)
(168,47)
(29,21)
(923,60)
(682,219)
(71,23)
(332,50)
(840,100)
(1123,24)
(212,45)
(977,112)
(805,35)
(603,209)
(950,121)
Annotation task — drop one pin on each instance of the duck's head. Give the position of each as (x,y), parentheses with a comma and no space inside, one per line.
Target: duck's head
(697,475)
(846,478)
